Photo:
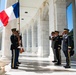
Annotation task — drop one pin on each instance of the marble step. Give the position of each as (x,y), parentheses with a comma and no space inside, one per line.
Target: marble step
(25,54)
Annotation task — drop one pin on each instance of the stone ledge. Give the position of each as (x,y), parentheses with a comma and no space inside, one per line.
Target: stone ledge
(3,63)
(2,67)
(2,70)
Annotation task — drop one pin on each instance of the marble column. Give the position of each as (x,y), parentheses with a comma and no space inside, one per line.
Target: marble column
(24,40)
(43,36)
(6,42)
(27,41)
(60,14)
(74,26)
(40,46)
(32,38)
(6,52)
(29,38)
(35,38)
(52,24)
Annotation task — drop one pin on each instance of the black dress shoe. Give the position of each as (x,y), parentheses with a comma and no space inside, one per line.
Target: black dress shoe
(54,61)
(19,62)
(14,67)
(67,66)
(17,65)
(58,64)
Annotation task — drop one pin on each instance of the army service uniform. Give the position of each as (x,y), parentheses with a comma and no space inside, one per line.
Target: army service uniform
(66,47)
(57,47)
(14,49)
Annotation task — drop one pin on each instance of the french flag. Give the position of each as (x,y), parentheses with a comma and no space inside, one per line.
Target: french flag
(10,13)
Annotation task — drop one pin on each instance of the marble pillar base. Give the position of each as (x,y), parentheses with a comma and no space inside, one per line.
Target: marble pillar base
(4,61)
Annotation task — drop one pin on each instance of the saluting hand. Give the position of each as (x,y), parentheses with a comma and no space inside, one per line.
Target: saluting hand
(68,50)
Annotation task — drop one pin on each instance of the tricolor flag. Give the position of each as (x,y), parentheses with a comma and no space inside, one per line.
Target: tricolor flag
(10,13)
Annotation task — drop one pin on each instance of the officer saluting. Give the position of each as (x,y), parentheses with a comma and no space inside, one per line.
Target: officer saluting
(57,47)
(66,46)
(14,49)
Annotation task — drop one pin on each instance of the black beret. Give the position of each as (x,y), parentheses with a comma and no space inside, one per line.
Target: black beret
(65,29)
(13,29)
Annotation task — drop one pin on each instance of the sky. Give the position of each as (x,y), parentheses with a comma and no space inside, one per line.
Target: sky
(70,17)
(2,6)
(69,14)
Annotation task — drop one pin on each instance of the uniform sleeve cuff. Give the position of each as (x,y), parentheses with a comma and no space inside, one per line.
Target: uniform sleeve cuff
(69,47)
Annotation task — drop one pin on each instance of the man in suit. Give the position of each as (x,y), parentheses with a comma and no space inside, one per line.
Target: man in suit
(52,38)
(66,46)
(14,49)
(57,47)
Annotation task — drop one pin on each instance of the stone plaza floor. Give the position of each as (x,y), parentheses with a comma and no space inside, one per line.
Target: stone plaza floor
(37,66)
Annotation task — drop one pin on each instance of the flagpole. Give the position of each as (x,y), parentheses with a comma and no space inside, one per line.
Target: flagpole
(19,16)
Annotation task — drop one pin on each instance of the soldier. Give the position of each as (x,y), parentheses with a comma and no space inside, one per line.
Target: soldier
(52,38)
(20,44)
(66,46)
(57,47)
(14,49)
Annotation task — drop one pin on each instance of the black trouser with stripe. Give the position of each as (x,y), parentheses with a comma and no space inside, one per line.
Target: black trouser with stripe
(58,56)
(14,58)
(18,50)
(67,55)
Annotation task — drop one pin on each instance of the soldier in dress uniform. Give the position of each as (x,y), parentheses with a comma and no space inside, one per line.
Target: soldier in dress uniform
(14,49)
(20,44)
(57,47)
(66,46)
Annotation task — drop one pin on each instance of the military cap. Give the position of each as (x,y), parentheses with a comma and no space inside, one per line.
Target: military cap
(52,32)
(57,31)
(65,29)
(13,29)
(17,31)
